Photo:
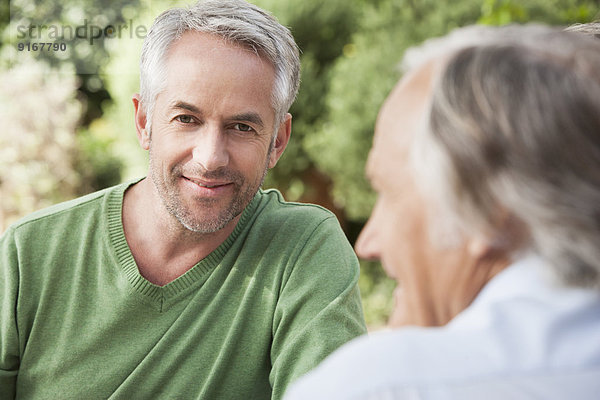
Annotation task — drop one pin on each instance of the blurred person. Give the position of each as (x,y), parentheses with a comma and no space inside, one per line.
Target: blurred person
(486,160)
(192,282)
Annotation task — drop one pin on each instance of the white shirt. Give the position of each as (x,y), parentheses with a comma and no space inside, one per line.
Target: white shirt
(522,338)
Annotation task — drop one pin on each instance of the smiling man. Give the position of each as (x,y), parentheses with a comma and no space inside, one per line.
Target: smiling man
(192,282)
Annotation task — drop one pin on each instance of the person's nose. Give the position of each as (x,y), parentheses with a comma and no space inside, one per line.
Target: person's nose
(368,244)
(210,149)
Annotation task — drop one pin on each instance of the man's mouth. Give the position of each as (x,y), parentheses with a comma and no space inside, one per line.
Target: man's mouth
(207,184)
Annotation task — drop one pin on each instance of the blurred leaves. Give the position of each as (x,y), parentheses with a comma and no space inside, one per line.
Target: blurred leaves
(40,114)
(376,292)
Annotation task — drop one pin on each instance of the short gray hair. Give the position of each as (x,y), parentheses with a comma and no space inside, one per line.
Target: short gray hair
(514,126)
(237,22)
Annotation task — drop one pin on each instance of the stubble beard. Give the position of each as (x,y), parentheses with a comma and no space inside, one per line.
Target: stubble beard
(171,198)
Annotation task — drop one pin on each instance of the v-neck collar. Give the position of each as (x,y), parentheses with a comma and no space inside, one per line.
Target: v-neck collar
(124,257)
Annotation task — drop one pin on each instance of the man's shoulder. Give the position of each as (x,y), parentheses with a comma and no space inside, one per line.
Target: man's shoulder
(64,210)
(390,363)
(275,205)
(438,363)
(287,225)
(485,347)
(365,364)
(295,221)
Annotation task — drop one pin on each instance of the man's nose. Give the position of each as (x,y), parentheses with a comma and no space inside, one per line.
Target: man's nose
(210,149)
(367,245)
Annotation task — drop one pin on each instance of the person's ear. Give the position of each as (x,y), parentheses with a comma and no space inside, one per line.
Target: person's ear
(509,236)
(143,133)
(281,140)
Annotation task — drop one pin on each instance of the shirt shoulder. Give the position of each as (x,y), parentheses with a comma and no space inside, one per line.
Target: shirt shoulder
(363,367)
(60,208)
(293,222)
(63,217)
(295,225)
(535,339)
(426,363)
(275,204)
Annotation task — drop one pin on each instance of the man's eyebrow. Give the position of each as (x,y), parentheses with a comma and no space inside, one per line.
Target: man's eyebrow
(249,117)
(185,106)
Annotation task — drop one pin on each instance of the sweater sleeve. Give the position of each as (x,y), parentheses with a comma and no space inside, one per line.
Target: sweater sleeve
(319,306)
(9,343)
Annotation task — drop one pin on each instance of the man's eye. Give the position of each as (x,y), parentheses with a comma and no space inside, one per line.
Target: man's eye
(243,127)
(184,119)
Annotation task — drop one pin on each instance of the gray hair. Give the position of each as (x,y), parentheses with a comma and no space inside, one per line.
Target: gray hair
(514,127)
(236,21)
(590,29)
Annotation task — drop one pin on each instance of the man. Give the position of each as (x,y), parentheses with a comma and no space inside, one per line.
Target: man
(192,282)
(486,161)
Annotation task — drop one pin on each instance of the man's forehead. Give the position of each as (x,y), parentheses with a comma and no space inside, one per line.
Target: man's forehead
(406,104)
(194,44)
(400,118)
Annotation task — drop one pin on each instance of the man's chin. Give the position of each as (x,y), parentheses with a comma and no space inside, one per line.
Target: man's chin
(205,225)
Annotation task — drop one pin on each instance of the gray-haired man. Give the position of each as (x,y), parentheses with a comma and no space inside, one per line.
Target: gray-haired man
(192,282)
(486,160)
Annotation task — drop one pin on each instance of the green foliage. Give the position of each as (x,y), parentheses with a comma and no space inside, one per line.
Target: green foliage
(501,13)
(376,291)
(50,96)
(34,20)
(97,165)
(555,12)
(360,81)
(321,30)
(37,140)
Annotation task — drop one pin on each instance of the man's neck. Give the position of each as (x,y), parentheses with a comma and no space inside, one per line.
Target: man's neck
(161,246)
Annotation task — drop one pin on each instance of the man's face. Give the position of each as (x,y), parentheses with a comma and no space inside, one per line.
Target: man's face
(397,231)
(212,131)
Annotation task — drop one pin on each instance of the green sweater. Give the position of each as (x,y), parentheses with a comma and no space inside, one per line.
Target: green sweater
(78,321)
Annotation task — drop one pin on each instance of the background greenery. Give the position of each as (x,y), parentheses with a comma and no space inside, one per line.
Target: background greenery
(67,119)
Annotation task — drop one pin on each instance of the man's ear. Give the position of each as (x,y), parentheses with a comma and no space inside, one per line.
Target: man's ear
(281,140)
(140,122)
(510,235)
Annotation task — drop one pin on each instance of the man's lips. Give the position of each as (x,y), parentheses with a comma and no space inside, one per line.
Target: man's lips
(207,183)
